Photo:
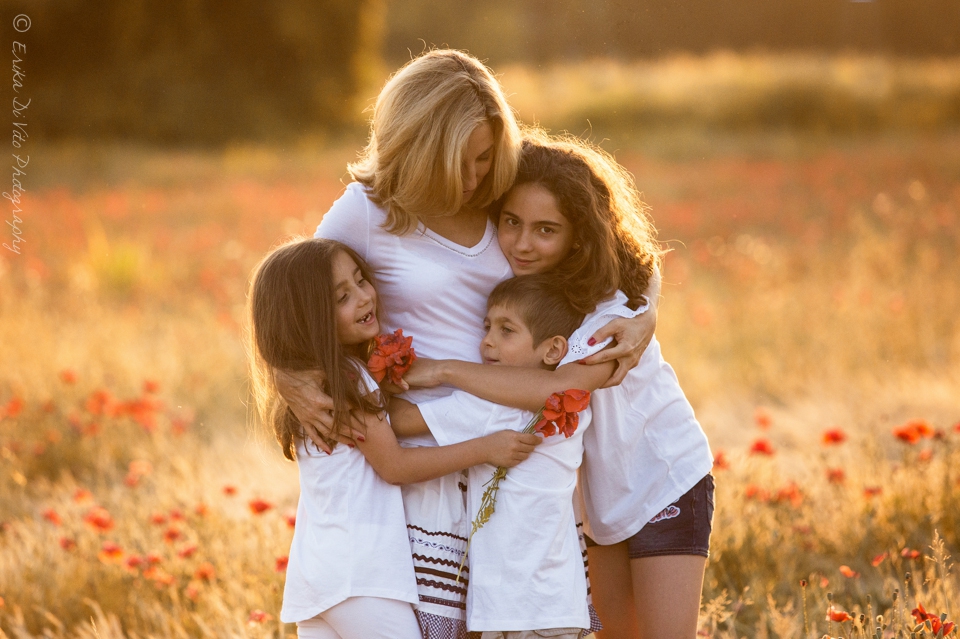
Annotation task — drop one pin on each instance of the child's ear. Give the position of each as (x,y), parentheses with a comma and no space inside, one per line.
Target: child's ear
(556,350)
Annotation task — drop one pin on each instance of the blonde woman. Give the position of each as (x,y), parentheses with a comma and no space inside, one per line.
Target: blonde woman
(444,144)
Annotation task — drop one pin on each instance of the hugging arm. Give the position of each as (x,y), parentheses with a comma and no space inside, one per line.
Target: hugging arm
(303,392)
(399,465)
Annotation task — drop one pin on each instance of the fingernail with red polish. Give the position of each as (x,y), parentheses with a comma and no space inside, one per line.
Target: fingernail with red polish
(591,342)
(361,438)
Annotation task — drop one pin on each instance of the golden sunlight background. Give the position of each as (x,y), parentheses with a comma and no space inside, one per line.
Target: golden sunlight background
(802,162)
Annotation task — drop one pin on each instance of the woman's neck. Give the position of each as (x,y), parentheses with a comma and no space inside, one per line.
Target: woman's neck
(466,228)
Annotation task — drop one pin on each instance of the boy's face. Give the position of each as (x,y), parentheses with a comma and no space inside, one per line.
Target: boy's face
(508,341)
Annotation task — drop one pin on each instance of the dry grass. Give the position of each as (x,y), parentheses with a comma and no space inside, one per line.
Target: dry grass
(811,286)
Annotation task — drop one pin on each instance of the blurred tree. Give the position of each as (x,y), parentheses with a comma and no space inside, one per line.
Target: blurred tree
(198,71)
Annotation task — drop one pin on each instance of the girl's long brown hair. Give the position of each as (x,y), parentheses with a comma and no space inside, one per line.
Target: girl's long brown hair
(293,327)
(616,239)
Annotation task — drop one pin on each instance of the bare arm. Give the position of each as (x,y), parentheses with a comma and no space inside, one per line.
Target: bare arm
(398,465)
(526,388)
(303,392)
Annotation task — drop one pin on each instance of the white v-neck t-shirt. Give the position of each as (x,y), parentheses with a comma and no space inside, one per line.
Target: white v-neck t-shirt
(434,289)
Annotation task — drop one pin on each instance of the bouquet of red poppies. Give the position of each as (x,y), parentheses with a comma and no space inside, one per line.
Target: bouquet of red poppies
(560,414)
(392,357)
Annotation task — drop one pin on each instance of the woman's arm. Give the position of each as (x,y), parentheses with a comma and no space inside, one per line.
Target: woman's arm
(398,465)
(526,388)
(632,336)
(303,392)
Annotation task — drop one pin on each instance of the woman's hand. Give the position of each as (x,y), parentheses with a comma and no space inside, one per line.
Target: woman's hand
(508,448)
(631,336)
(303,392)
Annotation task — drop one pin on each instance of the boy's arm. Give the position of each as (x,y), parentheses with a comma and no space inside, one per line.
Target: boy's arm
(406,419)
(398,465)
(526,388)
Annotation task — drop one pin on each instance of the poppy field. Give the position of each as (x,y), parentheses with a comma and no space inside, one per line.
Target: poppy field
(810,303)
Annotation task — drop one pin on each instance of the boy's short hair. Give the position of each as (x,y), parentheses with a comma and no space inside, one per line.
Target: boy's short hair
(541,304)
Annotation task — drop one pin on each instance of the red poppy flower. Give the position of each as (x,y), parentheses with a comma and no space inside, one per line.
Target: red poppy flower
(908,553)
(392,356)
(879,559)
(913,431)
(836,475)
(281,564)
(158,576)
(259,506)
(792,493)
(925,455)
(229,490)
(258,616)
(762,418)
(134,561)
(936,624)
(187,551)
(762,447)
(205,572)
(158,519)
(752,491)
(834,436)
(291,520)
(720,461)
(67,543)
(561,412)
(176,515)
(68,376)
(872,491)
(837,615)
(848,572)
(192,592)
(200,510)
(172,534)
(100,402)
(151,386)
(154,558)
(51,515)
(110,552)
(99,519)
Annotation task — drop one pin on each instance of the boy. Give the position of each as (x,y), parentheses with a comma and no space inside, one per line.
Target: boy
(526,568)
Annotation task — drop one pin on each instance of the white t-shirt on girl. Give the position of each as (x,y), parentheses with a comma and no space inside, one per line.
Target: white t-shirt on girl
(526,567)
(646,448)
(436,291)
(350,539)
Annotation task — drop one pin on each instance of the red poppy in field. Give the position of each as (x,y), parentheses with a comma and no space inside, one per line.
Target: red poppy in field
(872,491)
(836,615)
(229,490)
(909,553)
(956,427)
(936,624)
(179,425)
(200,510)
(925,455)
(720,461)
(836,475)
(879,559)
(187,551)
(177,515)
(192,591)
(762,418)
(134,561)
(392,356)
(792,493)
(752,491)
(99,519)
(110,552)
(561,412)
(172,534)
(68,376)
(762,446)
(158,576)
(205,572)
(100,402)
(913,431)
(848,572)
(154,558)
(259,506)
(158,519)
(834,436)
(281,564)
(51,515)
(258,616)
(151,386)
(67,543)
(13,408)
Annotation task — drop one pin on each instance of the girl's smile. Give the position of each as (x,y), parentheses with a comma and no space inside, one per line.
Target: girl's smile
(356,302)
(534,235)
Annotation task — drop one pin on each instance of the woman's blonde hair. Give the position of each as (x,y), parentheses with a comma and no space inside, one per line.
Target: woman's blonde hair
(420,127)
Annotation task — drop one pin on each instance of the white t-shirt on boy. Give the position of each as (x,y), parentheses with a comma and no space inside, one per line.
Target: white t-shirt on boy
(526,567)
(350,539)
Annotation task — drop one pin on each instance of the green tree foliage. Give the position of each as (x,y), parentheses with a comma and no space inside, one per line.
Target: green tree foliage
(197,71)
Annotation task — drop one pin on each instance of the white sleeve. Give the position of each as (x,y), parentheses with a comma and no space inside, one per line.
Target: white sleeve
(458,417)
(578,346)
(348,220)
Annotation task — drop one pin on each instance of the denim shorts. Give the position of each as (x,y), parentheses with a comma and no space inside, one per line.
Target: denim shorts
(682,528)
